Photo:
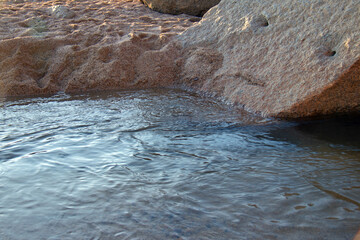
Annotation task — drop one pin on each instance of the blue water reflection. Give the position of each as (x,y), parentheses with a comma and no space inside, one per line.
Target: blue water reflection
(167,164)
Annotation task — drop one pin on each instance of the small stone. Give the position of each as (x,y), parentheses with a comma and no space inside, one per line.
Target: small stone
(60,11)
(29,32)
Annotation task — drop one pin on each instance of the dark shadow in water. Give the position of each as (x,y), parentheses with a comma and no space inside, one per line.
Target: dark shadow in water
(343,131)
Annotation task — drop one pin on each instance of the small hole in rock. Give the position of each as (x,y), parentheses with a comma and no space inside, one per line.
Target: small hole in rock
(330,53)
(261,21)
(195,19)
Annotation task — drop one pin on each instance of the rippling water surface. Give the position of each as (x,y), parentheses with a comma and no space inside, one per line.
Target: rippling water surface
(166,164)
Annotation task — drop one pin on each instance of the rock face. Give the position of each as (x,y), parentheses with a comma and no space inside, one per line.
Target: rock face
(191,7)
(52,46)
(280,58)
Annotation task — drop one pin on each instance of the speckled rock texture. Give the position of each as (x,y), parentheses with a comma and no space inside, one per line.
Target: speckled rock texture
(279,58)
(76,46)
(191,7)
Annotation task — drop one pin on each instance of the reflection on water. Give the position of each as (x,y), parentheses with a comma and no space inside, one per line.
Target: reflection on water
(166,164)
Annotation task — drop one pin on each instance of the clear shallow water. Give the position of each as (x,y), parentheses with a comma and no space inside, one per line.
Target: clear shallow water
(166,164)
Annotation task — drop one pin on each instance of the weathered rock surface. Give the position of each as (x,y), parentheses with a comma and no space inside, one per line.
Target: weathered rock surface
(86,45)
(280,58)
(191,7)
(274,57)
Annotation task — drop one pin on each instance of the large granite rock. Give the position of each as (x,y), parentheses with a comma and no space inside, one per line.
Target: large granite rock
(280,58)
(87,45)
(191,7)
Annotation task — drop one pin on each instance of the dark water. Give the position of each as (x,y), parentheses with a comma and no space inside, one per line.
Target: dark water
(166,164)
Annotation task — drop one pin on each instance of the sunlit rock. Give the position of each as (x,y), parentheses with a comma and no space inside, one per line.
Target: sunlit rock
(278,58)
(86,46)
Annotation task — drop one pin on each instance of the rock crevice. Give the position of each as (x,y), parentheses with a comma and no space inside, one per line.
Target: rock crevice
(191,7)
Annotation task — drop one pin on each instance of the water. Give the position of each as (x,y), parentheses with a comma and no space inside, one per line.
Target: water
(166,164)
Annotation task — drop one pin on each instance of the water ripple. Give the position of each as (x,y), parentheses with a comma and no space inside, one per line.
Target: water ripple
(167,164)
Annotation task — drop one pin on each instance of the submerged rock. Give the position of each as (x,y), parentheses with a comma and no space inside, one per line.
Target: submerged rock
(278,58)
(191,7)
